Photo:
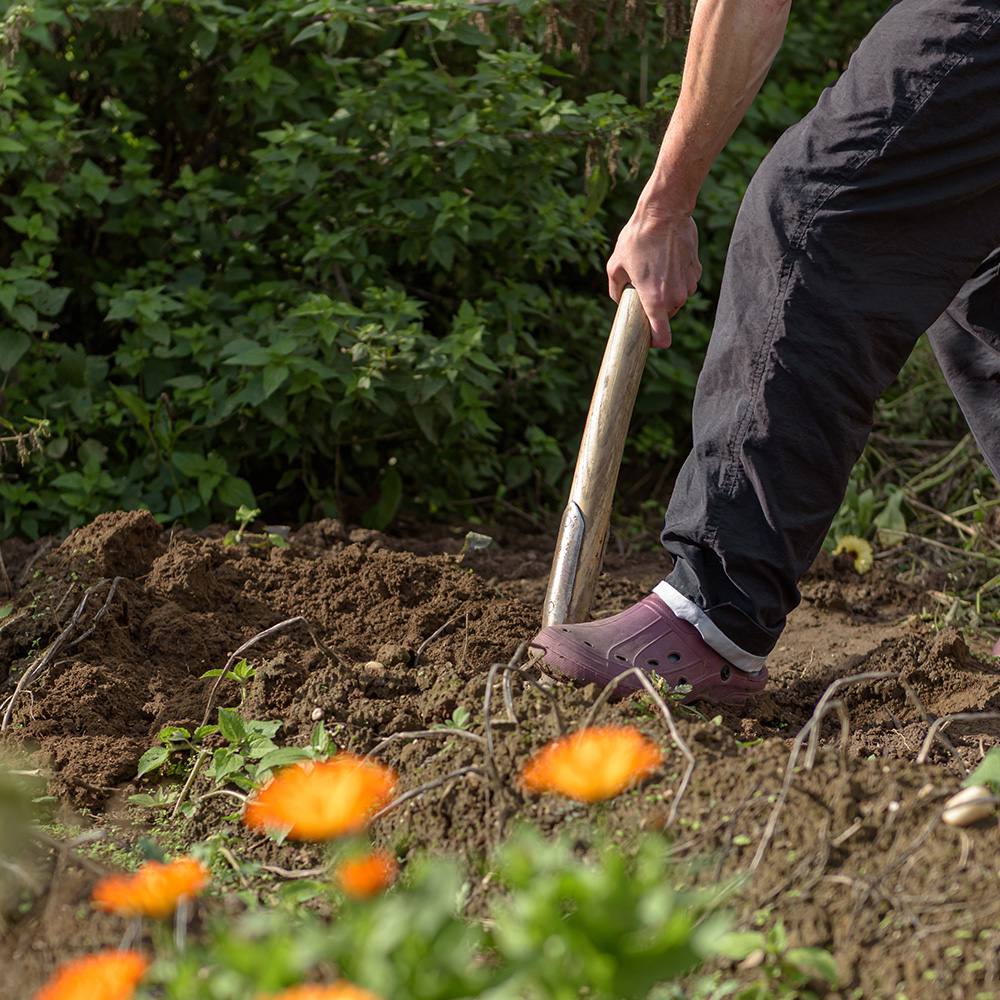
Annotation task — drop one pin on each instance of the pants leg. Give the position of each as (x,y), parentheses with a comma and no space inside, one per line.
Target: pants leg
(966,342)
(862,225)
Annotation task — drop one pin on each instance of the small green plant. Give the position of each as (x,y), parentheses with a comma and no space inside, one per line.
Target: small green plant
(242,672)
(245,516)
(780,972)
(460,719)
(176,744)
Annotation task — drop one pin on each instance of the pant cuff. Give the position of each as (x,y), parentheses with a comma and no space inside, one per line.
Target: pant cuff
(688,611)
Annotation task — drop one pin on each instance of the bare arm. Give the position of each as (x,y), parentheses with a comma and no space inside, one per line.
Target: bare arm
(731,48)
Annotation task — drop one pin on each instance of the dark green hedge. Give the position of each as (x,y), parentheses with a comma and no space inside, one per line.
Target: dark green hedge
(331,257)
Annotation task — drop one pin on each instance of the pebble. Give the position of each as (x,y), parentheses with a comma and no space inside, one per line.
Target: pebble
(963,809)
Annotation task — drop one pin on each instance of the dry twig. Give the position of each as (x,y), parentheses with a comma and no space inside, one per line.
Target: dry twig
(43,661)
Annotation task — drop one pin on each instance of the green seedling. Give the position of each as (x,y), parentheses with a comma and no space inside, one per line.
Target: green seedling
(175,741)
(460,719)
(242,672)
(245,516)
(782,973)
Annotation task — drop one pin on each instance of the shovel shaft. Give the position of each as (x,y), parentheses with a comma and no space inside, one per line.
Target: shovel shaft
(583,532)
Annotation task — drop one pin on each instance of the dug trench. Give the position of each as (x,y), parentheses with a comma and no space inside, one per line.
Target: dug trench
(111,631)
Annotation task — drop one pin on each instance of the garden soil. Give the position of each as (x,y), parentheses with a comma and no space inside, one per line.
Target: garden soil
(112,630)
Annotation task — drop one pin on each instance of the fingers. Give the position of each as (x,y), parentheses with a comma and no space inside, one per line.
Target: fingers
(618,281)
(659,331)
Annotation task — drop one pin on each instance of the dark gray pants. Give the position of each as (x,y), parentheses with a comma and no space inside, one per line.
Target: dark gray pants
(875,218)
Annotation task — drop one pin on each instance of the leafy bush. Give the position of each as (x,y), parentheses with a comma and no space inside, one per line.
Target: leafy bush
(329,258)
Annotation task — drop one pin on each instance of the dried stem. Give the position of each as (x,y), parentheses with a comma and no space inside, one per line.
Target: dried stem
(431,638)
(935,733)
(43,661)
(6,578)
(429,786)
(811,730)
(195,768)
(331,654)
(417,734)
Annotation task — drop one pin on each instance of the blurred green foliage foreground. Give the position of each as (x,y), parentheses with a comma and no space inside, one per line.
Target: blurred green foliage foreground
(337,258)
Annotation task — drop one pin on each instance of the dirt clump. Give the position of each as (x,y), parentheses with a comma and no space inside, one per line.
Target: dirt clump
(379,638)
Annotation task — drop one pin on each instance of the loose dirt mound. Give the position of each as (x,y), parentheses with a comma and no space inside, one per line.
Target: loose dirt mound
(113,629)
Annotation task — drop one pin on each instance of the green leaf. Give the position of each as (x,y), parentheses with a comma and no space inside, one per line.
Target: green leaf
(9,145)
(987,772)
(320,739)
(442,250)
(468,34)
(234,491)
(890,522)
(738,944)
(225,762)
(274,377)
(309,31)
(281,757)
(25,315)
(464,159)
(390,494)
(8,608)
(134,405)
(142,799)
(152,759)
(816,961)
(14,344)
(232,726)
(475,541)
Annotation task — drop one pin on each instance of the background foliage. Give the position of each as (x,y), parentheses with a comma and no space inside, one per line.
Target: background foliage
(334,258)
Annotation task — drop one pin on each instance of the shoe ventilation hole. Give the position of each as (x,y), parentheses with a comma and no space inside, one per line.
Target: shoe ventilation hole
(588,643)
(565,630)
(673,657)
(724,672)
(618,656)
(682,680)
(652,663)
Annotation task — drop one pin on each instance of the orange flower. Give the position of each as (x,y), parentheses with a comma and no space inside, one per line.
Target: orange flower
(107,975)
(153,891)
(366,874)
(340,990)
(320,801)
(593,764)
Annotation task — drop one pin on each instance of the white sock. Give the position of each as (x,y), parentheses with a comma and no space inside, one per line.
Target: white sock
(688,611)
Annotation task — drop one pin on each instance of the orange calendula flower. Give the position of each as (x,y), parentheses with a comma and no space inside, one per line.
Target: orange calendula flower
(366,874)
(106,975)
(592,764)
(320,801)
(153,891)
(340,990)
(858,549)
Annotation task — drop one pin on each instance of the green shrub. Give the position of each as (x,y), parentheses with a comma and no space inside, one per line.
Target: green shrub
(327,258)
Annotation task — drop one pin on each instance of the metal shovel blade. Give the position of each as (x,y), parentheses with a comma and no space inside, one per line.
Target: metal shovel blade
(583,533)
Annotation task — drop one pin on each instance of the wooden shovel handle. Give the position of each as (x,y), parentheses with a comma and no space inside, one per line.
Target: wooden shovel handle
(577,563)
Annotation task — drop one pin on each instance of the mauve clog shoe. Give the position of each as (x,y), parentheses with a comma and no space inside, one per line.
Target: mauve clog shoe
(649,636)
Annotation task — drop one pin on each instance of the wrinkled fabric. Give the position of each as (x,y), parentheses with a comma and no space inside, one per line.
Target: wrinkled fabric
(874,219)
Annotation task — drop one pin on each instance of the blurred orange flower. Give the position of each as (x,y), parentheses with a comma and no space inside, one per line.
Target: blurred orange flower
(592,764)
(320,801)
(366,874)
(153,891)
(340,990)
(106,975)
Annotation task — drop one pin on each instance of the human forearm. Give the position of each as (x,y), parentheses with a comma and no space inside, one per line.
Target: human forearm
(731,48)
(732,45)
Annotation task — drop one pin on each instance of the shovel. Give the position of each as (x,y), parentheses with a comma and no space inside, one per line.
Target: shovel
(583,532)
